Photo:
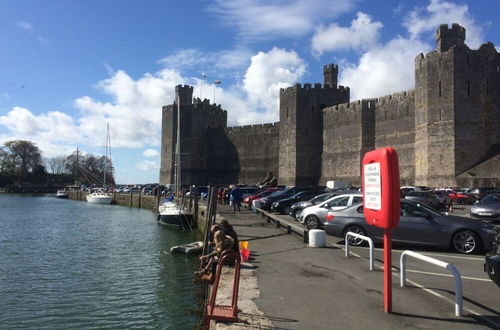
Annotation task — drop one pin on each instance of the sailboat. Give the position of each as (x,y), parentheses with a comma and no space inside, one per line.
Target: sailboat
(171,213)
(100,195)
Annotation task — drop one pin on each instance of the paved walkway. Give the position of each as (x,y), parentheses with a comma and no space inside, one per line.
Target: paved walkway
(318,288)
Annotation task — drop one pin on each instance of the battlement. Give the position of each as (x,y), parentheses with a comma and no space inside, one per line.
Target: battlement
(257,127)
(184,93)
(308,87)
(447,37)
(400,96)
(330,75)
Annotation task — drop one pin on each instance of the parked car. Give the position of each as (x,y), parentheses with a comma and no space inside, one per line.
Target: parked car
(492,262)
(488,207)
(266,202)
(282,206)
(461,197)
(314,217)
(299,206)
(443,197)
(426,197)
(418,225)
(259,194)
(479,193)
(247,191)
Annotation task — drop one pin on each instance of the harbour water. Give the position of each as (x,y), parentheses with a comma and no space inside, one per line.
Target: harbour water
(74,265)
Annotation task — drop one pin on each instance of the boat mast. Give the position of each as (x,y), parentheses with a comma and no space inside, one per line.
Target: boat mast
(105,157)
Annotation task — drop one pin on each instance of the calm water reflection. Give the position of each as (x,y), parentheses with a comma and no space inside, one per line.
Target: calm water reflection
(74,265)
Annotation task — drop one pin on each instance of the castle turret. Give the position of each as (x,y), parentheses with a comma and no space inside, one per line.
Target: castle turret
(301,127)
(184,93)
(330,75)
(447,38)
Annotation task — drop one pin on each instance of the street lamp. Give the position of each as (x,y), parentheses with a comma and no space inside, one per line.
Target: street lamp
(216,82)
(203,76)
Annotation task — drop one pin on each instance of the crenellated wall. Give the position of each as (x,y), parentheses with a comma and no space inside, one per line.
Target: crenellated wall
(446,131)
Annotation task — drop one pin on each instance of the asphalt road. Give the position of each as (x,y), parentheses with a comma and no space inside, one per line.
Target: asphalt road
(309,288)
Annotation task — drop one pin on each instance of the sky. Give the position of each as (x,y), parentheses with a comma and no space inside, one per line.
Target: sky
(67,68)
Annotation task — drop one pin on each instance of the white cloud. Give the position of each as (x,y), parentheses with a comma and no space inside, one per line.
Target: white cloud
(147,165)
(151,153)
(424,20)
(28,27)
(193,58)
(384,69)
(277,18)
(266,75)
(362,34)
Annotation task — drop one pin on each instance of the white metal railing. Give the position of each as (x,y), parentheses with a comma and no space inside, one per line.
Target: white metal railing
(364,238)
(442,264)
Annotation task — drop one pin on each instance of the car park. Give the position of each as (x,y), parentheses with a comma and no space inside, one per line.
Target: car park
(299,206)
(418,225)
(487,207)
(313,217)
(266,202)
(426,197)
(282,206)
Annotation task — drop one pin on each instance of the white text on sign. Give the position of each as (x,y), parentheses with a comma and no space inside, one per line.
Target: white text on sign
(372,186)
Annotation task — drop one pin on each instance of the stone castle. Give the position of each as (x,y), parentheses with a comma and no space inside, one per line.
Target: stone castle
(446,130)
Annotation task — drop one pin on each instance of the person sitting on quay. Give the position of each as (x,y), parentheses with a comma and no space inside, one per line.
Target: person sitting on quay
(229,231)
(236,197)
(222,242)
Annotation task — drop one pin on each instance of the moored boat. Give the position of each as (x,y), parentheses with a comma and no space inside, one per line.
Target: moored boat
(170,214)
(99,196)
(63,194)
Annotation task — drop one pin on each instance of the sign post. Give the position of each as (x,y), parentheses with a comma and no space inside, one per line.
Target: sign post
(380,180)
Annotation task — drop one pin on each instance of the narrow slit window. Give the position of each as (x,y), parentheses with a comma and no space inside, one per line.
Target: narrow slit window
(440,88)
(468,87)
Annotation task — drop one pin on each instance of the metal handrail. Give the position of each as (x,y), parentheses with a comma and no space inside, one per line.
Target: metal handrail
(364,238)
(442,264)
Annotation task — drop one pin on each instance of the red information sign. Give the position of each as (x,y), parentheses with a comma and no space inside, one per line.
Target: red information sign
(380,174)
(380,179)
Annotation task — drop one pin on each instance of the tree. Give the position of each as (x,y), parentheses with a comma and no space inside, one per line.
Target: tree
(24,156)
(57,165)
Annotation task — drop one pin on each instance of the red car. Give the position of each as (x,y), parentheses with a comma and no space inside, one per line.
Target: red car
(461,198)
(261,193)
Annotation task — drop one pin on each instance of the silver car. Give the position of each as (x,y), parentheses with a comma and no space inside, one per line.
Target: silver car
(418,225)
(488,207)
(314,216)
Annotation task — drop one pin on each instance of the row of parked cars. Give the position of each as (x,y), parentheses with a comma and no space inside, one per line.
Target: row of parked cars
(421,222)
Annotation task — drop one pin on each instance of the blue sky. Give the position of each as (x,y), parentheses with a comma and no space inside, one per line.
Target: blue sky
(69,67)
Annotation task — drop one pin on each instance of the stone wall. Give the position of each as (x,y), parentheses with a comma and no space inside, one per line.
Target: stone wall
(395,127)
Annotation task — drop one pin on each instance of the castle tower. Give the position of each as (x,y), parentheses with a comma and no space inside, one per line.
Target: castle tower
(196,119)
(301,128)
(447,38)
(330,74)
(457,99)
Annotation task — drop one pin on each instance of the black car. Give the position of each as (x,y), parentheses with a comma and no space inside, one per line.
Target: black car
(299,206)
(479,193)
(266,202)
(282,206)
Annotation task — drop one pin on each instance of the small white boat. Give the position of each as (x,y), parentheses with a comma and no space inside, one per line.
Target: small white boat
(62,194)
(169,213)
(189,248)
(99,197)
